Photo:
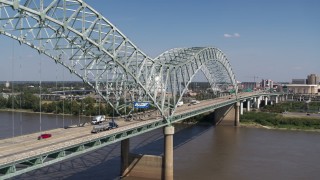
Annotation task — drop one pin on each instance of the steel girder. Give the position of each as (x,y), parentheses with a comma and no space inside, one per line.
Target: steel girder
(79,38)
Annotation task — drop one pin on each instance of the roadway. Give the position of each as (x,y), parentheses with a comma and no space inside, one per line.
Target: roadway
(22,147)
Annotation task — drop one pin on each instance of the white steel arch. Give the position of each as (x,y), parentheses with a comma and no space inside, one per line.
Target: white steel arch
(79,38)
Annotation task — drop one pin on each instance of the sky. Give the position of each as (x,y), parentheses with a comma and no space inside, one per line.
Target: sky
(266,39)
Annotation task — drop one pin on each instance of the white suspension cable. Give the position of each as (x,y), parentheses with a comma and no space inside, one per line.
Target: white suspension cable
(20,99)
(54,98)
(63,98)
(12,90)
(40,89)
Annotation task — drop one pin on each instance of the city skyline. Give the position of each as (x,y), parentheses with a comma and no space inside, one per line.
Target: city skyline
(262,40)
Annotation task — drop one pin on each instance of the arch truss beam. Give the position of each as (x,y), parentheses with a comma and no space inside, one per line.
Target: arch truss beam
(79,38)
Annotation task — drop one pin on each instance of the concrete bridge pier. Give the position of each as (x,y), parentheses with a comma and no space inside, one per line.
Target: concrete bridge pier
(148,166)
(265,100)
(241,107)
(276,100)
(168,153)
(228,115)
(237,114)
(248,105)
(125,149)
(258,102)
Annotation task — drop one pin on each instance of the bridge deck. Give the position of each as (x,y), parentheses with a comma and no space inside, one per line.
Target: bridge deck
(23,147)
(13,149)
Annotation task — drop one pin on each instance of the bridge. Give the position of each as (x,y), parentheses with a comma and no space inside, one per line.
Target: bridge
(75,36)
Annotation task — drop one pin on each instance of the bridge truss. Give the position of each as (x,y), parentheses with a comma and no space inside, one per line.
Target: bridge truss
(79,38)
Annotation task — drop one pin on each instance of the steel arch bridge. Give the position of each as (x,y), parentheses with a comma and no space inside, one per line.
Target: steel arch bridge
(79,38)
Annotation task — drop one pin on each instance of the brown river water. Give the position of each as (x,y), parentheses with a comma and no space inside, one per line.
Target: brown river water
(200,152)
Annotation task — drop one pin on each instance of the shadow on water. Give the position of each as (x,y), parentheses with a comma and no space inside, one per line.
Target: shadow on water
(183,134)
(104,163)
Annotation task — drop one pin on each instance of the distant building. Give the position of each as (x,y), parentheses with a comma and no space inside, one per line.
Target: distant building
(266,84)
(302,88)
(299,81)
(281,86)
(7,84)
(250,85)
(313,79)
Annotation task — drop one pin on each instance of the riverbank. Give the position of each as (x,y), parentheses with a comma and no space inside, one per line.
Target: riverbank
(256,125)
(32,112)
(284,121)
(17,110)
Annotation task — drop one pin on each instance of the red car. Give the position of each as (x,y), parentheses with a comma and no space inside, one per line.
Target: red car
(44,136)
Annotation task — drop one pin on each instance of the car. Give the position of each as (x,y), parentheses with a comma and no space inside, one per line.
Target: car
(44,136)
(180,103)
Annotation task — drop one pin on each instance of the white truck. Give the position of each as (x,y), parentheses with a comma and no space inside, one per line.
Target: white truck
(104,126)
(98,119)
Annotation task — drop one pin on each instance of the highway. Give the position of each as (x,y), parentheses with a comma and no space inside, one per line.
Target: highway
(21,147)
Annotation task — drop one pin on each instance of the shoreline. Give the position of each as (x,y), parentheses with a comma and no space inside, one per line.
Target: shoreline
(257,125)
(32,112)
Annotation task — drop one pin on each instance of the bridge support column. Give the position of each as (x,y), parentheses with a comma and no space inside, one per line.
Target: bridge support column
(276,100)
(125,149)
(258,103)
(266,101)
(248,105)
(237,114)
(168,152)
(241,107)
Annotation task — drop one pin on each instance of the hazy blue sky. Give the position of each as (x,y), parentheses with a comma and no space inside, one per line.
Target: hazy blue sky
(274,39)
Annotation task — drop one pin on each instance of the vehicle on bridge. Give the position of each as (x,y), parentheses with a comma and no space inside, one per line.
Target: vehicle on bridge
(44,136)
(104,127)
(180,103)
(98,119)
(194,102)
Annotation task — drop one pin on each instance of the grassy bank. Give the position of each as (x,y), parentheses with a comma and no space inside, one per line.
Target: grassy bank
(276,120)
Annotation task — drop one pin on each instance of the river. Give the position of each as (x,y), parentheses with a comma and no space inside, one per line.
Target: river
(200,152)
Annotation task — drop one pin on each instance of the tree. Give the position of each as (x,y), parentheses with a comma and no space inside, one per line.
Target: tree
(30,101)
(3,102)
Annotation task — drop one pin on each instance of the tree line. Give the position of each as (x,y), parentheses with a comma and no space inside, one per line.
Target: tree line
(28,101)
